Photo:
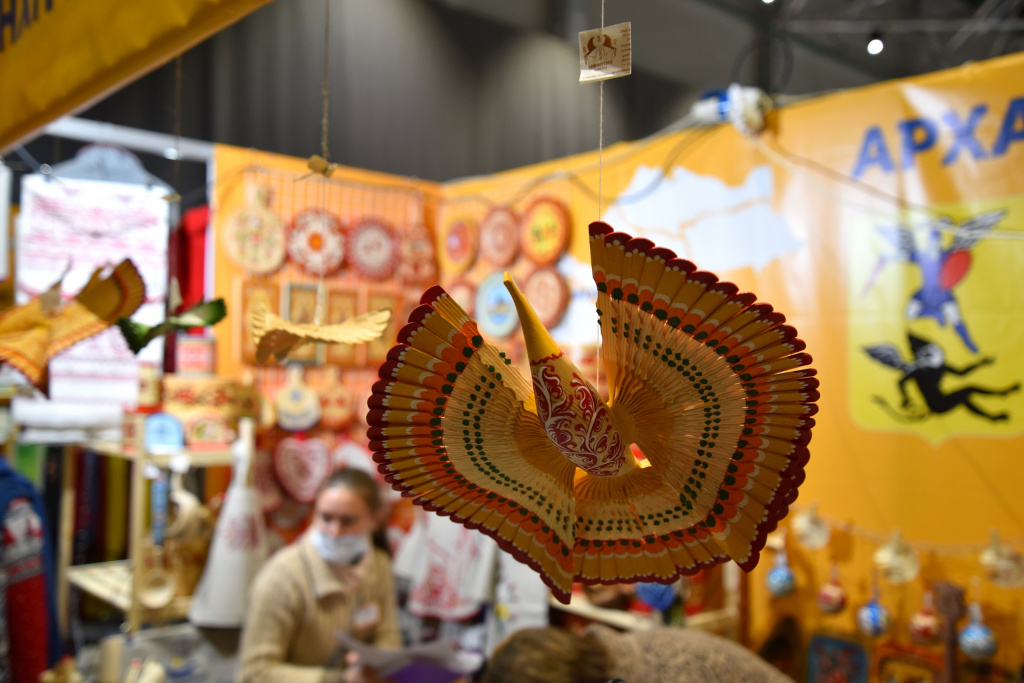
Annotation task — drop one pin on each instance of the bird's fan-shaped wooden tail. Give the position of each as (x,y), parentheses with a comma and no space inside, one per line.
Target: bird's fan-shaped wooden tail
(452,424)
(715,391)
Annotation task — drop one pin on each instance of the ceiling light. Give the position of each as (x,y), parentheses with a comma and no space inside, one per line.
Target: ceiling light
(875,44)
(767,2)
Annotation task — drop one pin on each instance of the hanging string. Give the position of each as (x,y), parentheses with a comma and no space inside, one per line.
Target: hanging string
(600,136)
(320,309)
(175,179)
(943,549)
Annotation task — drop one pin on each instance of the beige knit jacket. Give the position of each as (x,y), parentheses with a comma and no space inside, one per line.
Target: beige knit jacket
(298,603)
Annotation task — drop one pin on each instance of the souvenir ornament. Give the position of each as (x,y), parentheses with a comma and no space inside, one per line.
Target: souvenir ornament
(657,595)
(275,336)
(495,308)
(316,242)
(459,241)
(335,402)
(372,249)
(897,560)
(780,580)
(254,237)
(302,466)
(418,265)
(138,336)
(977,640)
(165,434)
(832,596)
(925,625)
(499,237)
(810,529)
(873,619)
(238,548)
(545,228)
(556,435)
(267,488)
(1003,566)
(298,407)
(33,333)
(547,290)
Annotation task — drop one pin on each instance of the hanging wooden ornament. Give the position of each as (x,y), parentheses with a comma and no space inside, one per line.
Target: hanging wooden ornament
(459,240)
(302,466)
(897,560)
(277,337)
(316,242)
(548,291)
(977,640)
(832,596)
(335,402)
(499,237)
(810,529)
(254,237)
(925,625)
(545,228)
(298,407)
(33,333)
(874,619)
(495,310)
(418,263)
(780,580)
(373,250)
(1003,566)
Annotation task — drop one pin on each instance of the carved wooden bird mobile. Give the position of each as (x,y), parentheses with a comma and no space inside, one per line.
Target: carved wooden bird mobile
(274,336)
(31,334)
(205,313)
(712,387)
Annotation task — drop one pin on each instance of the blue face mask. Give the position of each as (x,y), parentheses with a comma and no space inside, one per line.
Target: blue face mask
(346,549)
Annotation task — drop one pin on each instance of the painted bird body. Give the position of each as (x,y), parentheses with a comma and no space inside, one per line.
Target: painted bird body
(711,387)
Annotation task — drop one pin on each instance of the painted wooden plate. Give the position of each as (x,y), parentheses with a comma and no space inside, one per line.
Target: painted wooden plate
(548,291)
(373,250)
(459,244)
(316,242)
(464,293)
(254,238)
(495,309)
(418,265)
(545,227)
(499,237)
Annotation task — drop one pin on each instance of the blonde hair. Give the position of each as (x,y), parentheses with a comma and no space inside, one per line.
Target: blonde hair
(548,655)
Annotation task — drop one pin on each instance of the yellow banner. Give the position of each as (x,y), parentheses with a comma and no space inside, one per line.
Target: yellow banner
(57,57)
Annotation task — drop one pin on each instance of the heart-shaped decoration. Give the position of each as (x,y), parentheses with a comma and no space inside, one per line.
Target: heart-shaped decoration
(302,466)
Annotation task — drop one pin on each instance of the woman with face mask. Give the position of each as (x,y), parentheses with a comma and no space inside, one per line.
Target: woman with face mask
(331,580)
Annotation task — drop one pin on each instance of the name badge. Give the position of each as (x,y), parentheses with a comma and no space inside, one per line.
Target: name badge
(366,616)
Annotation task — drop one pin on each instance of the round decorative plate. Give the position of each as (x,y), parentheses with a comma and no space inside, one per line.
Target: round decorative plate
(499,237)
(316,242)
(373,249)
(336,406)
(495,309)
(545,231)
(459,244)
(464,294)
(254,239)
(547,290)
(418,265)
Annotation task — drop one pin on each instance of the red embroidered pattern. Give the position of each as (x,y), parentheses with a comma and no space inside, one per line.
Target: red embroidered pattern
(582,432)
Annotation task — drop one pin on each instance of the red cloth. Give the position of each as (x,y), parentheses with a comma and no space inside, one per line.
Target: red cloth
(27,618)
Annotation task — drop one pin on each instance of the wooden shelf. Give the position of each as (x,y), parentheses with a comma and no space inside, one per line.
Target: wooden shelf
(196,457)
(111,582)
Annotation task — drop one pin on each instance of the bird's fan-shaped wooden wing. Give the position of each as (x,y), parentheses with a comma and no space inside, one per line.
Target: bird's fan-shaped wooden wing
(715,391)
(275,336)
(453,425)
(98,306)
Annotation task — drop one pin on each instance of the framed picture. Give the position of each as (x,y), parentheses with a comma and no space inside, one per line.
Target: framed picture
(299,306)
(906,663)
(342,304)
(836,659)
(377,350)
(247,292)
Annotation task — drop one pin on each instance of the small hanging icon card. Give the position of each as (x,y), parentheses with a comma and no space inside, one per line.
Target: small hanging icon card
(605,53)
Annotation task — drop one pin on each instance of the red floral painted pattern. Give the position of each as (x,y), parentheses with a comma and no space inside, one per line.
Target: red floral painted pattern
(578,423)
